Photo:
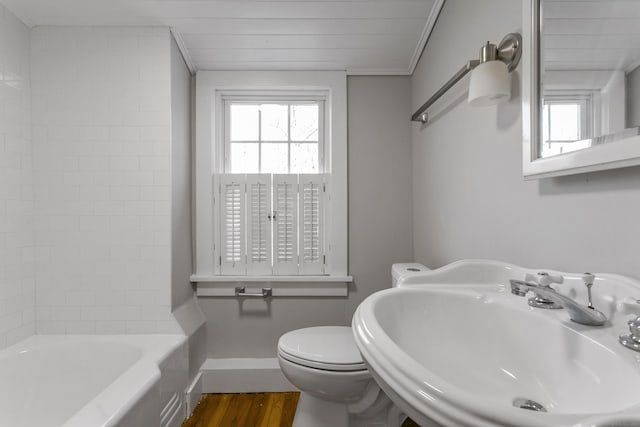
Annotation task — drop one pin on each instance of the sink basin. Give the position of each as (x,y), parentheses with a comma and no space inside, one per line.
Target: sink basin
(461,355)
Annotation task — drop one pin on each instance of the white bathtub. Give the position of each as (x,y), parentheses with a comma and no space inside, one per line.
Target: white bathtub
(87,381)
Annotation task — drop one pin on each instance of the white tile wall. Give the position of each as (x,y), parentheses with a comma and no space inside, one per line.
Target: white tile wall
(17,285)
(101,142)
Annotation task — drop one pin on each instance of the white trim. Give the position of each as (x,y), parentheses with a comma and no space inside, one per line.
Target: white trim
(632,66)
(617,154)
(244,376)
(182,46)
(426,33)
(209,85)
(310,286)
(193,395)
(378,72)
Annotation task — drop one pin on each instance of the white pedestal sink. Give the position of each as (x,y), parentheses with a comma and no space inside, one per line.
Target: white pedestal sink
(454,347)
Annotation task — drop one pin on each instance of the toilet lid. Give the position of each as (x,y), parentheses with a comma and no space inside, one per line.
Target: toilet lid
(322,347)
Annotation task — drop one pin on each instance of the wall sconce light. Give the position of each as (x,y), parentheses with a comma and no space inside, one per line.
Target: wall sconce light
(490,80)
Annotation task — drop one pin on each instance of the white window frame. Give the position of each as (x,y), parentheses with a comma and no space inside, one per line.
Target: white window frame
(209,160)
(588,108)
(275,99)
(587,111)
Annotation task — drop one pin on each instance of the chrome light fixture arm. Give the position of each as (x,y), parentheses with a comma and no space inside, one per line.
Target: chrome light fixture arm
(508,51)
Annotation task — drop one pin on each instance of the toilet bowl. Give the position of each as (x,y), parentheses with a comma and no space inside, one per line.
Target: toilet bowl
(336,388)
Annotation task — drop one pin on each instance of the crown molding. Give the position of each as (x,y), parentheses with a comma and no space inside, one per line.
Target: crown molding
(184,51)
(426,33)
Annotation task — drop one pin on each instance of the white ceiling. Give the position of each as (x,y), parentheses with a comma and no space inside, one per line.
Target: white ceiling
(360,36)
(591,34)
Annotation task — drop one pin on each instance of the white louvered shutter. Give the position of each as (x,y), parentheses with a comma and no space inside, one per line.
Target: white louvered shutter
(285,228)
(259,224)
(232,225)
(311,225)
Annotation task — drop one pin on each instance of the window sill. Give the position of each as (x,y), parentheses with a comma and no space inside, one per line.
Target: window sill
(270,279)
(281,286)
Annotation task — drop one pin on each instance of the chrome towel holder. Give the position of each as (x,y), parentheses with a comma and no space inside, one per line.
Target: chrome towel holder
(265,293)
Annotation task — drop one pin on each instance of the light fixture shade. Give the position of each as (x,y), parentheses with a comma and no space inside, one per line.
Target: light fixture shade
(490,84)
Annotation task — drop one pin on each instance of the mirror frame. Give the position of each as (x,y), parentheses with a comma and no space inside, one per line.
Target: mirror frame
(612,155)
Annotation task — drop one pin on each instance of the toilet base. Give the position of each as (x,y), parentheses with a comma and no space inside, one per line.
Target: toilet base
(315,412)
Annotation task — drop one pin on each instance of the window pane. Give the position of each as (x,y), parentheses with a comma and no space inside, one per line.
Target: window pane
(275,158)
(304,158)
(275,122)
(545,123)
(304,122)
(565,122)
(244,122)
(244,158)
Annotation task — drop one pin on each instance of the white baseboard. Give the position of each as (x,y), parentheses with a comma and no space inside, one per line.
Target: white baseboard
(193,394)
(243,376)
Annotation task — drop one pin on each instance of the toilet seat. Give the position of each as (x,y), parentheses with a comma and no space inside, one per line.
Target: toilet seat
(329,348)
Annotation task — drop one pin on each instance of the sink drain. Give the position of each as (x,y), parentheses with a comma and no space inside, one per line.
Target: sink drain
(528,404)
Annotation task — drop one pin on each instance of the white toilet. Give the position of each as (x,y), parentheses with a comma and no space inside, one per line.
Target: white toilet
(337,389)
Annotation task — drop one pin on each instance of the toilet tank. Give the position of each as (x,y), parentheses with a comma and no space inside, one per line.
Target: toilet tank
(405,269)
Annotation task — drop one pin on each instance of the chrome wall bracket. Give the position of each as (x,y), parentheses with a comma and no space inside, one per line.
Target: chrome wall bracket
(510,50)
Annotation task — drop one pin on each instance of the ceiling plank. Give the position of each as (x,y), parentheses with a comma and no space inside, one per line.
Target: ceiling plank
(297,26)
(290,10)
(298,41)
(382,36)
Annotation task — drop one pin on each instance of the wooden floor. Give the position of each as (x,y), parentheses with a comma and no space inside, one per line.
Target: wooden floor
(249,410)
(245,410)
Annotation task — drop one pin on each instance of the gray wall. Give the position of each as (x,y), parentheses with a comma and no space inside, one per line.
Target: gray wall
(183,302)
(181,257)
(380,204)
(633,98)
(470,200)
(379,153)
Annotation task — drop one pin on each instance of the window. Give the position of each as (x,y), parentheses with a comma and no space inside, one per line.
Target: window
(276,137)
(272,194)
(566,124)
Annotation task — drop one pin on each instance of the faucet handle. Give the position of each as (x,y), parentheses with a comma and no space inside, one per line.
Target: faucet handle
(632,339)
(543,278)
(588,280)
(629,305)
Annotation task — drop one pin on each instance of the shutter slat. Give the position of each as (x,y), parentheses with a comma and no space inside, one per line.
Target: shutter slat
(259,226)
(232,227)
(311,224)
(285,205)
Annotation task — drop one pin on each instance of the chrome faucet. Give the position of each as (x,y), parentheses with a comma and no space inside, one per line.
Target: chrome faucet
(544,280)
(632,339)
(585,315)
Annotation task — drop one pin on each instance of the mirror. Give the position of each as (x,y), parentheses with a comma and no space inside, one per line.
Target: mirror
(581,86)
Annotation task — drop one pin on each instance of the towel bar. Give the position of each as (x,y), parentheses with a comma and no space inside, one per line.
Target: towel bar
(265,293)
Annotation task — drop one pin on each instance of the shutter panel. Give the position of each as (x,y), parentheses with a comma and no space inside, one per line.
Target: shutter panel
(312,200)
(285,229)
(232,226)
(258,224)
